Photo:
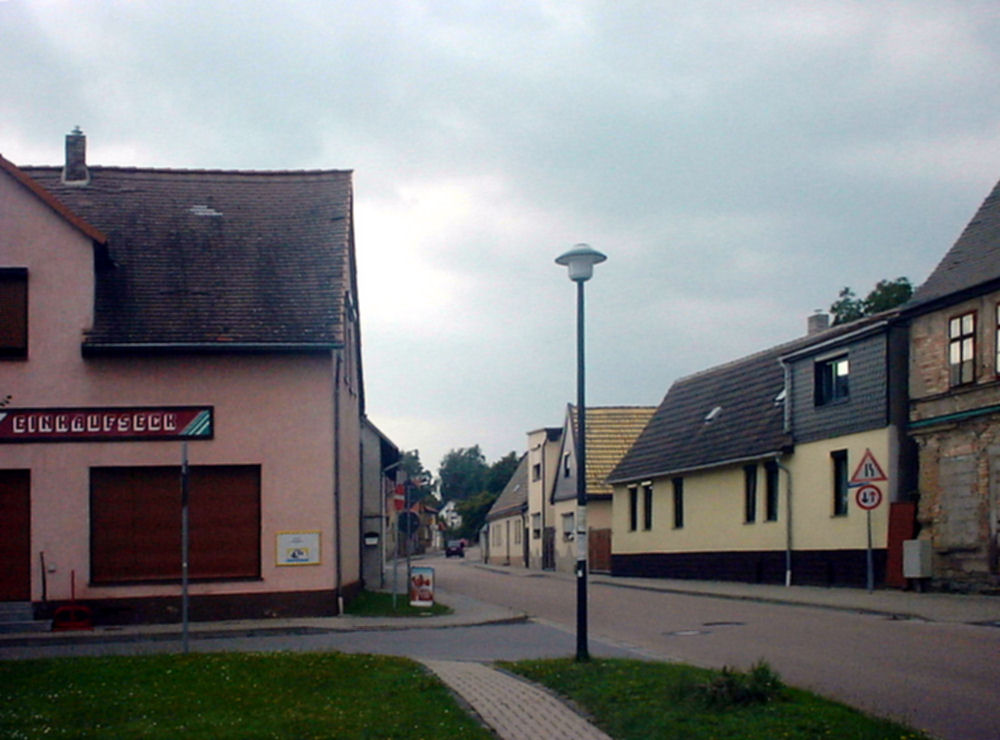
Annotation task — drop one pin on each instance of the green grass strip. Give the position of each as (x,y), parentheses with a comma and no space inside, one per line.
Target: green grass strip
(228,695)
(640,699)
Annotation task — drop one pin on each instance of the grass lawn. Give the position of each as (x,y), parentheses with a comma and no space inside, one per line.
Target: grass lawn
(228,695)
(379,604)
(639,699)
(334,695)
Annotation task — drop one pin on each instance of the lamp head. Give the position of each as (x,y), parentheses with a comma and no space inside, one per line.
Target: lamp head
(581,260)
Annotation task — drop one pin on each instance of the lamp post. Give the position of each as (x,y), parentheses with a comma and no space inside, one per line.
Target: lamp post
(581,260)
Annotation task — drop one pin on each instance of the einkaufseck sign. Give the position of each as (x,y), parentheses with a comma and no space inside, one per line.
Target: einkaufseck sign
(106,424)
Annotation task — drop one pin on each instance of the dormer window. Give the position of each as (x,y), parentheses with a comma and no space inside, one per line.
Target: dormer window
(832,377)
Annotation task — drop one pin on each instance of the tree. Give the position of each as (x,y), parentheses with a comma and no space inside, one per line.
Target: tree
(462,474)
(501,472)
(885,295)
(474,510)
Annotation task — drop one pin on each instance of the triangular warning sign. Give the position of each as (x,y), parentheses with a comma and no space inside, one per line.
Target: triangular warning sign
(869,471)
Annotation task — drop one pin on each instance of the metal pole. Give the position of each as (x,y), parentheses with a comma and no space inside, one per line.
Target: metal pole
(582,652)
(185,492)
(871,564)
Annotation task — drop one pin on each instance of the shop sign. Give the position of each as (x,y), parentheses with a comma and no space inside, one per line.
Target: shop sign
(106,424)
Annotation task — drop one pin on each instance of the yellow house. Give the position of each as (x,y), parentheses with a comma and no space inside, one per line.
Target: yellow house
(754,470)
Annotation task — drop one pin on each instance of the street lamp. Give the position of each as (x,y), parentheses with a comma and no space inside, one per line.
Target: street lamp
(581,260)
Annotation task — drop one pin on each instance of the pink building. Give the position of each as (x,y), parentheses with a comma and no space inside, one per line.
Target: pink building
(144,311)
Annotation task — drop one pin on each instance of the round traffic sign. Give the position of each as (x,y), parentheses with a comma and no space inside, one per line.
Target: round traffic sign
(868,497)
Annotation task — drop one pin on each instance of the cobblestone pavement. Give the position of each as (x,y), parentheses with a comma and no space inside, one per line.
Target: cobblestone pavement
(513,708)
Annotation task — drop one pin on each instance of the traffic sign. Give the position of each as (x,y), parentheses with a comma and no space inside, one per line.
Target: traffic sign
(408,522)
(868,471)
(868,497)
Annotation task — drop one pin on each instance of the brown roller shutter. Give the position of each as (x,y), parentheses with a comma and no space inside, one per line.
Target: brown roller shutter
(136,521)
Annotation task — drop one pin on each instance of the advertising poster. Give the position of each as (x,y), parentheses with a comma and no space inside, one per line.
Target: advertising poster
(297,548)
(421,586)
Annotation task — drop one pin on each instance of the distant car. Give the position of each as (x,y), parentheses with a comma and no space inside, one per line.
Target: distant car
(455,547)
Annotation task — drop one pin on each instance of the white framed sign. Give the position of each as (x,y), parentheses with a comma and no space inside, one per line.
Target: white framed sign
(297,548)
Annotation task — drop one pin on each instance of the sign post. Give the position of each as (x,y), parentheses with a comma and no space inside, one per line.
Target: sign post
(868,497)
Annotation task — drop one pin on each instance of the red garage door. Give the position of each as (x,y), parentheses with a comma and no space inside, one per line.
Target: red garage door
(15,535)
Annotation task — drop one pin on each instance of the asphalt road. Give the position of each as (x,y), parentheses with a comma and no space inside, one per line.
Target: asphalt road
(942,678)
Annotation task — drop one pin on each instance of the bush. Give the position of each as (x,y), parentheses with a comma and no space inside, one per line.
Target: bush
(731,687)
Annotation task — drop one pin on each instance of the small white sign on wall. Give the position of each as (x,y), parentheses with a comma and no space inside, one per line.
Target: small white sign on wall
(297,548)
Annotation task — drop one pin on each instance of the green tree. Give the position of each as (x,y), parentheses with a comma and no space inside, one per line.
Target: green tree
(474,510)
(463,474)
(421,480)
(885,295)
(501,471)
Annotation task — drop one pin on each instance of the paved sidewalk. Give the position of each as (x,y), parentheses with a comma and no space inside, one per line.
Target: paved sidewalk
(465,612)
(515,709)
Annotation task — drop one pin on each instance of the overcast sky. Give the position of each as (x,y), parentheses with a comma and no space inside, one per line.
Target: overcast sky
(738,162)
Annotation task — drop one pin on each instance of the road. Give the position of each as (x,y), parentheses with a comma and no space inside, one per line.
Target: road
(942,678)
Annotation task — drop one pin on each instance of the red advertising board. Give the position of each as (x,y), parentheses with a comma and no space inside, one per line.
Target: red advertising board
(106,424)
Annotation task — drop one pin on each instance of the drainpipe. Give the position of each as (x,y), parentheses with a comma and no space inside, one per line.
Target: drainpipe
(336,483)
(788,524)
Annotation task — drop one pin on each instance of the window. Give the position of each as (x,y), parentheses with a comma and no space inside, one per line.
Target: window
(566,471)
(536,471)
(750,493)
(568,525)
(13,313)
(962,348)
(135,523)
(832,381)
(839,459)
(633,508)
(678,502)
(772,485)
(517,533)
(647,505)
(536,526)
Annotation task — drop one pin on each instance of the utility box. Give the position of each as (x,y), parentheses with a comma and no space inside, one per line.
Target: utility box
(916,558)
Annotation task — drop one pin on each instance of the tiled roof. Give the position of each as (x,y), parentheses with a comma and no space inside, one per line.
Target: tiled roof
(216,258)
(611,431)
(514,496)
(46,197)
(726,414)
(973,260)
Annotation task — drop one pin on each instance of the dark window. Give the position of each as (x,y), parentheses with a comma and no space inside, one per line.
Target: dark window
(566,471)
(839,458)
(962,348)
(678,502)
(772,483)
(536,471)
(14,312)
(647,506)
(633,507)
(750,493)
(136,523)
(832,381)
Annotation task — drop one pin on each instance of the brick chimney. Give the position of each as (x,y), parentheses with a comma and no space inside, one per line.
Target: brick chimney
(75,172)
(817,322)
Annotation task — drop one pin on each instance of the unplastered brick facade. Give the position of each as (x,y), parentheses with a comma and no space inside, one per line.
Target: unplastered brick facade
(954,388)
